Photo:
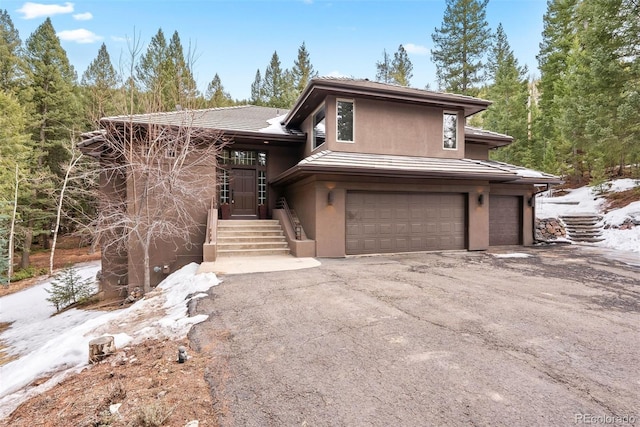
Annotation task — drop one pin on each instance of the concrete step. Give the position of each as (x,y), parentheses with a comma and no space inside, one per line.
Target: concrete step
(251,237)
(250,233)
(248,223)
(236,246)
(252,252)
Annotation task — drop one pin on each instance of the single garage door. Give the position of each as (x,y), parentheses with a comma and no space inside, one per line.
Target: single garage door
(505,220)
(404,222)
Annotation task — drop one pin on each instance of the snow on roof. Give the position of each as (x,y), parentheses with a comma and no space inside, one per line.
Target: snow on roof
(275,126)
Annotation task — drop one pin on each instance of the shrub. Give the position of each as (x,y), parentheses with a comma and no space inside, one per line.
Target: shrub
(153,415)
(27,273)
(69,288)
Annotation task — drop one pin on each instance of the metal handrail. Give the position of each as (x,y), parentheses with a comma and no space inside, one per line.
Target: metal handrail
(297,228)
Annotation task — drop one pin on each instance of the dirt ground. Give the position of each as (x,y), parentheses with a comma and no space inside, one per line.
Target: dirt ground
(146,381)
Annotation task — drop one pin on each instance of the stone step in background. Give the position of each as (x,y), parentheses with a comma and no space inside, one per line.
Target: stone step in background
(585,228)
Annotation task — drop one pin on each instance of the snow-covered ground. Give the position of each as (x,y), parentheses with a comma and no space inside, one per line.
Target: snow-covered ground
(584,200)
(59,345)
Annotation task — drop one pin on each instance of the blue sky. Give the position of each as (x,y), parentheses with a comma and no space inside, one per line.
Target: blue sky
(235,38)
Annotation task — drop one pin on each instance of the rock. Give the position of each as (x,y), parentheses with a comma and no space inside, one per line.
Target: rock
(193,423)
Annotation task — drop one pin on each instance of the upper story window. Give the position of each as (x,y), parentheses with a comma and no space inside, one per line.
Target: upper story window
(318,127)
(344,120)
(450,130)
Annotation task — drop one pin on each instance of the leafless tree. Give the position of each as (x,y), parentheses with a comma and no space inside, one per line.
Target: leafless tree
(157,181)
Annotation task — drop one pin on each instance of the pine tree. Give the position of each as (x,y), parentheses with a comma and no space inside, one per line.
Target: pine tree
(182,86)
(274,85)
(54,110)
(460,45)
(100,81)
(257,94)
(11,64)
(15,144)
(598,111)
(216,95)
(509,93)
(401,67)
(383,68)
(152,73)
(68,288)
(302,70)
(558,39)
(53,98)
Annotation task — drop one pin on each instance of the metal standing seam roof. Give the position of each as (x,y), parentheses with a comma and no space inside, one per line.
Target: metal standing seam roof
(376,164)
(243,118)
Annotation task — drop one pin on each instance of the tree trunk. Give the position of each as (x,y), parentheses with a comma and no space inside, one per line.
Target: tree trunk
(26,248)
(147,273)
(13,224)
(59,211)
(44,240)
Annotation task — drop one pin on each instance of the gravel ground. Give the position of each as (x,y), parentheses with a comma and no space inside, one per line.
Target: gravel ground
(457,338)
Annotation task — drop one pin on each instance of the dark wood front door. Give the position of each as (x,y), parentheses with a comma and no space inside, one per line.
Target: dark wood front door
(243,192)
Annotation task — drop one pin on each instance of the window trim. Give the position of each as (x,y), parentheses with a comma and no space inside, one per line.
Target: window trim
(456,142)
(313,126)
(353,119)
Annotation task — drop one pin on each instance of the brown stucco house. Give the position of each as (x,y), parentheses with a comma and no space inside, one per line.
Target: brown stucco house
(362,167)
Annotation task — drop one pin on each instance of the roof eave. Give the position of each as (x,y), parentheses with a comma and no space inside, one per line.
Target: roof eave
(300,171)
(470,106)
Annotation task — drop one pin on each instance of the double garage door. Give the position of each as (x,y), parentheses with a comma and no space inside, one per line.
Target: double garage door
(404,222)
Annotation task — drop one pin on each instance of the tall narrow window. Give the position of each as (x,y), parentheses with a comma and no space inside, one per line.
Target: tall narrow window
(450,131)
(262,187)
(318,128)
(344,123)
(224,187)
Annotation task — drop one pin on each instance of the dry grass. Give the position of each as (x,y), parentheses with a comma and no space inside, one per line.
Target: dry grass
(621,199)
(152,388)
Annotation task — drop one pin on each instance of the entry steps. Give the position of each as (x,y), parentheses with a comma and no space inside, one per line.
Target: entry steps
(585,228)
(251,238)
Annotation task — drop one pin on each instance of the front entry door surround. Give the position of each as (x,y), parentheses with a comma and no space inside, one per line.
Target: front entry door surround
(244,182)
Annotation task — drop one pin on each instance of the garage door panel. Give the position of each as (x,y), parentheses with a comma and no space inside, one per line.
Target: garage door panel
(418,221)
(505,220)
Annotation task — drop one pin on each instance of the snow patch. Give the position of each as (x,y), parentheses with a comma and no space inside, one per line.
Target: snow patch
(585,200)
(59,345)
(513,255)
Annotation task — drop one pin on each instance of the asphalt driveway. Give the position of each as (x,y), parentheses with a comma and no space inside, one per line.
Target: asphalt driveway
(456,338)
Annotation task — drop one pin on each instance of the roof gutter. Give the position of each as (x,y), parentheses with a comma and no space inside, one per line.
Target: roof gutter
(290,174)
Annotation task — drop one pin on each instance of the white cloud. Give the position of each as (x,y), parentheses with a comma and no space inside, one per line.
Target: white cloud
(118,39)
(86,16)
(416,49)
(80,35)
(38,10)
